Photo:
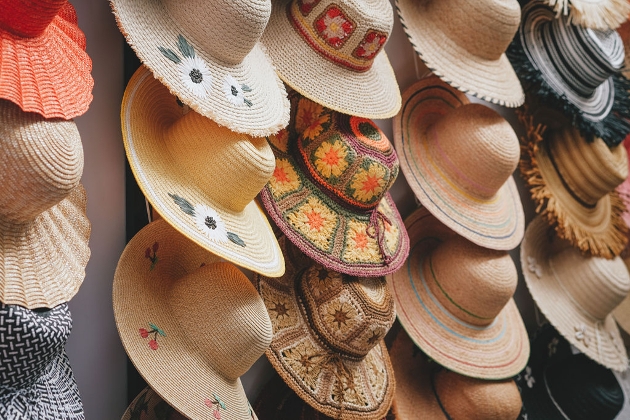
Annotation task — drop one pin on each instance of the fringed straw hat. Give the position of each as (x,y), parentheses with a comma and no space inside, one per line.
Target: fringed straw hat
(191,325)
(149,406)
(208,55)
(332,53)
(464,43)
(458,159)
(328,331)
(44,230)
(598,14)
(454,299)
(576,294)
(202,178)
(573,185)
(45,68)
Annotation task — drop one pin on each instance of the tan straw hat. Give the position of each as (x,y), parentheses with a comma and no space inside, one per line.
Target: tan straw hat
(458,159)
(464,43)
(44,230)
(438,394)
(149,406)
(454,299)
(207,53)
(200,177)
(573,184)
(576,294)
(328,331)
(594,14)
(332,53)
(190,325)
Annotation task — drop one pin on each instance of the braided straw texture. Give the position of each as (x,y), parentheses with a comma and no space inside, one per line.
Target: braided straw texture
(599,14)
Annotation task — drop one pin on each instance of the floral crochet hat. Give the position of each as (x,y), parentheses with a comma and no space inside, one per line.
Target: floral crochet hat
(208,55)
(149,406)
(202,178)
(45,68)
(329,191)
(191,325)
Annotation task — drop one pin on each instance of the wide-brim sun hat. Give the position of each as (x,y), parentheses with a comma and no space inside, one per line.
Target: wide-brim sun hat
(202,178)
(45,68)
(190,325)
(149,406)
(208,55)
(598,14)
(458,159)
(332,53)
(464,43)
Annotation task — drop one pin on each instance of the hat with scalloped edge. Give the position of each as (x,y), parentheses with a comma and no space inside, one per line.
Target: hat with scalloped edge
(150,406)
(454,299)
(458,159)
(599,14)
(208,55)
(575,70)
(190,324)
(45,68)
(44,229)
(464,43)
(202,178)
(332,53)
(328,331)
(329,192)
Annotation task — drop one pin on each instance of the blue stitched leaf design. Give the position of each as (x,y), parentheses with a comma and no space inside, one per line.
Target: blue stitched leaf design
(183,204)
(221,403)
(170,54)
(248,102)
(185,48)
(236,239)
(246,88)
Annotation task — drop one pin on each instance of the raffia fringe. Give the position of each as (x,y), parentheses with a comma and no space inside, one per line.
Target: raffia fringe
(602,15)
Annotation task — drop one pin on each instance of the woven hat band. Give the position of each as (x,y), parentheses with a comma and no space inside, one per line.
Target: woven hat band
(28,18)
(225,29)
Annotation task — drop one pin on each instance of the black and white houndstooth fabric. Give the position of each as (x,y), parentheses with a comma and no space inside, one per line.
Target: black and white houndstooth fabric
(36,381)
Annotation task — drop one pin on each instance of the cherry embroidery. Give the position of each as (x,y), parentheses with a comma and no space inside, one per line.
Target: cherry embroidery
(151,254)
(215,404)
(155,330)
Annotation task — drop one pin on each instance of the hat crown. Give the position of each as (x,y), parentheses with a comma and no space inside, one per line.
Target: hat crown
(351,315)
(28,18)
(475,147)
(222,316)
(225,29)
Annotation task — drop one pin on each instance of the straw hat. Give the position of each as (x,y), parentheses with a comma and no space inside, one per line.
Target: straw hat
(44,230)
(471,327)
(576,294)
(464,43)
(327,337)
(332,53)
(208,55)
(200,177)
(36,381)
(149,406)
(422,387)
(329,192)
(598,14)
(458,159)
(575,70)
(191,325)
(45,68)
(573,184)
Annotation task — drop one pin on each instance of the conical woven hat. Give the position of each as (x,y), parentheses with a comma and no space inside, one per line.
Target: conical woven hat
(44,230)
(208,55)
(597,14)
(200,177)
(191,325)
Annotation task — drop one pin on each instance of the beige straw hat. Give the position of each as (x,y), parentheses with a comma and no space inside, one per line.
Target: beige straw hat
(208,55)
(438,394)
(332,53)
(190,325)
(149,406)
(576,294)
(458,159)
(44,230)
(573,184)
(595,14)
(464,43)
(454,299)
(328,331)
(200,177)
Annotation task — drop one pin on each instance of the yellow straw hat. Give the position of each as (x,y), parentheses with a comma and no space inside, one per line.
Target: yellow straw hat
(200,177)
(44,230)
(190,325)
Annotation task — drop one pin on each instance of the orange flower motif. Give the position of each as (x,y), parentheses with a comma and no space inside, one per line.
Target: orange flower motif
(369,183)
(284,178)
(280,140)
(310,119)
(315,221)
(331,159)
(360,248)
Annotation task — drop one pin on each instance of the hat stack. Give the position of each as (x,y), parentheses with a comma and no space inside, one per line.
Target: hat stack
(45,82)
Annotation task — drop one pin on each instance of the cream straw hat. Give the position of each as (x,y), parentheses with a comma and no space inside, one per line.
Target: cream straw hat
(191,325)
(44,230)
(595,14)
(207,54)
(200,177)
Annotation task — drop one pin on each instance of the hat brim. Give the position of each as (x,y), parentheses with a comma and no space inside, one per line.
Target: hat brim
(370,94)
(624,380)
(160,178)
(148,26)
(494,81)
(495,223)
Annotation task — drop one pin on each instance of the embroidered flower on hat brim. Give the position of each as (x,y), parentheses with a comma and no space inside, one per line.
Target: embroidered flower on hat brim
(193,71)
(216,405)
(235,92)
